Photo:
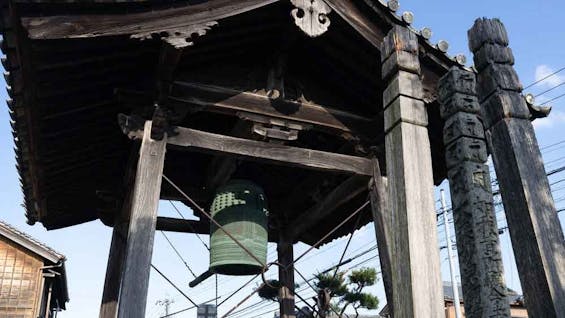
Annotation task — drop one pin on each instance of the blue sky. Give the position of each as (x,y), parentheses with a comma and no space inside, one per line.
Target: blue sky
(538,40)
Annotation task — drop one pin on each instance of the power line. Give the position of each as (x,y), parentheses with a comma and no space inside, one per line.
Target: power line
(554,99)
(544,78)
(550,89)
(173,284)
(178,254)
(189,225)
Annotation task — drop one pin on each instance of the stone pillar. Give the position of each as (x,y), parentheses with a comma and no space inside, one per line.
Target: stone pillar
(480,259)
(534,227)
(416,279)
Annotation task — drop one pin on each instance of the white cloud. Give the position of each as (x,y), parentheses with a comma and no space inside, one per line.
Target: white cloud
(555,118)
(543,71)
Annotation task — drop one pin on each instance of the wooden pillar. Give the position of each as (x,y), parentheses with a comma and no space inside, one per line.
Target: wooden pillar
(116,257)
(534,226)
(416,278)
(382,219)
(480,258)
(141,231)
(286,276)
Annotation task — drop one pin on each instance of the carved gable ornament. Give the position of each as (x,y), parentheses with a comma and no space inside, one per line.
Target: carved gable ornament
(311,16)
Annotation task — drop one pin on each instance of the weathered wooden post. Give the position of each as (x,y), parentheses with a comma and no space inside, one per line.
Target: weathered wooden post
(286,276)
(534,227)
(141,231)
(117,255)
(480,258)
(416,280)
(382,220)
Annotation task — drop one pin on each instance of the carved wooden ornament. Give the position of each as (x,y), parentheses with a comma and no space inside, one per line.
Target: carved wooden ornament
(311,16)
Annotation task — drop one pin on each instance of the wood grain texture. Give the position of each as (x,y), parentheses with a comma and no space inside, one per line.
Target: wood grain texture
(118,245)
(480,258)
(416,276)
(269,152)
(92,25)
(141,232)
(352,14)
(382,219)
(535,230)
(342,194)
(230,101)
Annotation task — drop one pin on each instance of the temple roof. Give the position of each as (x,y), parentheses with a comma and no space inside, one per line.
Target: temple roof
(69,70)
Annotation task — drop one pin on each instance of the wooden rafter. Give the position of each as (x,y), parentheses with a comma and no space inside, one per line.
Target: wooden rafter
(95,25)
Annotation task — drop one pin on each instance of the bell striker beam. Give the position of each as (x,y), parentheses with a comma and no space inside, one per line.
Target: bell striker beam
(534,226)
(141,231)
(480,259)
(416,277)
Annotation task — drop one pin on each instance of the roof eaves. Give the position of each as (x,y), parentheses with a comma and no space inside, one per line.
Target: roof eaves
(14,81)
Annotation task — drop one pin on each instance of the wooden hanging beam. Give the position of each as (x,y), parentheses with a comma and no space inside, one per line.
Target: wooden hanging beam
(95,25)
(262,151)
(230,101)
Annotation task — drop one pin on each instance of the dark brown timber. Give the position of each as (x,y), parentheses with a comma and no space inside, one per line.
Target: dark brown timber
(535,230)
(480,259)
(286,275)
(182,225)
(92,25)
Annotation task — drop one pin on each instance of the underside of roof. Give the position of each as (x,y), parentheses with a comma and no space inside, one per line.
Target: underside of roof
(71,68)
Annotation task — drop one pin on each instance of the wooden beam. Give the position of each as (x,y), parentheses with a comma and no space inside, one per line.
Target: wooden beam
(230,101)
(358,20)
(269,152)
(182,225)
(141,231)
(382,220)
(416,275)
(96,25)
(535,229)
(116,257)
(342,194)
(286,275)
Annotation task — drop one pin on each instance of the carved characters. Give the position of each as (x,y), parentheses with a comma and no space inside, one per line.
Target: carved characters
(311,16)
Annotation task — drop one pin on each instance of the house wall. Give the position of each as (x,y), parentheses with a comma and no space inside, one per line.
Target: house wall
(20,281)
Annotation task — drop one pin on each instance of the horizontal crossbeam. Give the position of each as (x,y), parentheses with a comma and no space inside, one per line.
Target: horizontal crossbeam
(267,152)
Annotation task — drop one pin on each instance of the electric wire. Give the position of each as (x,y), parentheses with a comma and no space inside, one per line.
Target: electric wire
(545,77)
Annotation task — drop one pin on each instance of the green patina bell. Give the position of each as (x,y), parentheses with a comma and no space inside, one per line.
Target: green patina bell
(240,207)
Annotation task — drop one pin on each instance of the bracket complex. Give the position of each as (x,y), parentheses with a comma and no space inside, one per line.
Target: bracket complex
(311,16)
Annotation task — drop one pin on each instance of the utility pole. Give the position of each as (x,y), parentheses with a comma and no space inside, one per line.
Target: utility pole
(165,303)
(454,284)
